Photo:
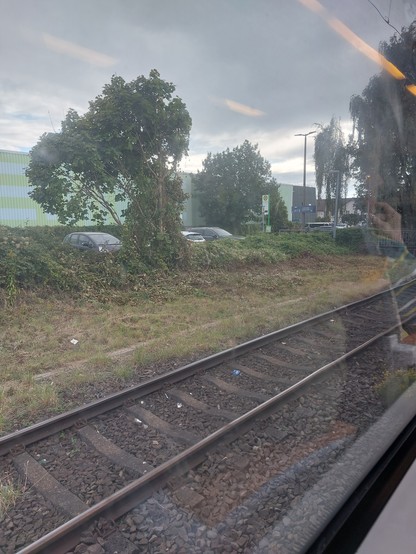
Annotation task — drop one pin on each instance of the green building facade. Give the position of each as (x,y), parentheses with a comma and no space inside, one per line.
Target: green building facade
(17,209)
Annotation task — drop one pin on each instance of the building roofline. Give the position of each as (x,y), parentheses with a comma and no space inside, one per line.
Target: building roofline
(13,151)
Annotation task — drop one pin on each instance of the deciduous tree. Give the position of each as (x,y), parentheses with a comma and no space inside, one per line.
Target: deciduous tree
(331,156)
(384,142)
(231,185)
(125,148)
(278,209)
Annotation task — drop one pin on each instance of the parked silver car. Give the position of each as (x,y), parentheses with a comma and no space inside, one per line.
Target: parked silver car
(213,233)
(193,236)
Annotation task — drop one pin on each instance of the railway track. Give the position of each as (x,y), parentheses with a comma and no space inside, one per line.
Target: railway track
(210,456)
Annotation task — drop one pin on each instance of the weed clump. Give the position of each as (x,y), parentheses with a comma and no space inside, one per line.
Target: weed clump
(9,493)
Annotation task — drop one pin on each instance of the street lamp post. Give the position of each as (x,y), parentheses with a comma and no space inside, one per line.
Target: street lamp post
(304,175)
(334,231)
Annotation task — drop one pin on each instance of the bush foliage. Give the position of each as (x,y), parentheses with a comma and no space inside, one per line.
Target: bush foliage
(354,238)
(36,258)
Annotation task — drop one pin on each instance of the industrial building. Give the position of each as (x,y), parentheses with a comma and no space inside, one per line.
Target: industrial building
(17,209)
(292,196)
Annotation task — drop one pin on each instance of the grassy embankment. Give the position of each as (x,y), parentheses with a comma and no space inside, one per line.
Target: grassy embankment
(129,326)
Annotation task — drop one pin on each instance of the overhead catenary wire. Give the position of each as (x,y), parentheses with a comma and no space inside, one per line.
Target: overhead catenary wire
(384,18)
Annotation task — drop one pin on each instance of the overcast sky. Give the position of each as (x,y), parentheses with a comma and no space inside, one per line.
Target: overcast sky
(261,70)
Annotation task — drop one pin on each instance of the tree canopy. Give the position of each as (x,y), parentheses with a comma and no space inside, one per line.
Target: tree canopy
(383,145)
(231,185)
(330,156)
(125,148)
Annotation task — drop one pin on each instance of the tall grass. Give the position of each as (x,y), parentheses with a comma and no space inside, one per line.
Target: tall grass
(10,492)
(227,292)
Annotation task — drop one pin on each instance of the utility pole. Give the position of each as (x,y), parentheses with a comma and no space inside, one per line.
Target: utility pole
(304,175)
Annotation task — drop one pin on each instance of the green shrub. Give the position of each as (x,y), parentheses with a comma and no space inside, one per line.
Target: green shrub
(36,257)
(33,257)
(354,239)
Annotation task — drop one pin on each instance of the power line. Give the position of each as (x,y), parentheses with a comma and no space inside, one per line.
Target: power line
(385,19)
(50,119)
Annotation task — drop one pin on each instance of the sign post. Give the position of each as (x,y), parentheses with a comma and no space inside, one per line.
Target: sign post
(265,211)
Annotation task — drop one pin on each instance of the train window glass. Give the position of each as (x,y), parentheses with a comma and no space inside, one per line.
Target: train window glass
(249,118)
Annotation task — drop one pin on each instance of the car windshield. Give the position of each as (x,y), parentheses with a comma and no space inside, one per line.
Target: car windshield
(221,232)
(288,126)
(103,239)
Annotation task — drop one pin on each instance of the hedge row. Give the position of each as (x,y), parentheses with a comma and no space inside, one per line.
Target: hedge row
(34,257)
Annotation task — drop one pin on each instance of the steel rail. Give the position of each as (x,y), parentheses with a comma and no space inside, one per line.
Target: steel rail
(43,429)
(67,535)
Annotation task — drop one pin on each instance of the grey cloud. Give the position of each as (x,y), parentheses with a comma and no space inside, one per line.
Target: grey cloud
(275,56)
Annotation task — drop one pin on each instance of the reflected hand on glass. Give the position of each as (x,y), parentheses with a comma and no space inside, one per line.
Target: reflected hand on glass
(387,219)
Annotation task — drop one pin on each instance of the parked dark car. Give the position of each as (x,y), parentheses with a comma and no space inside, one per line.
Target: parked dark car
(100,242)
(213,233)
